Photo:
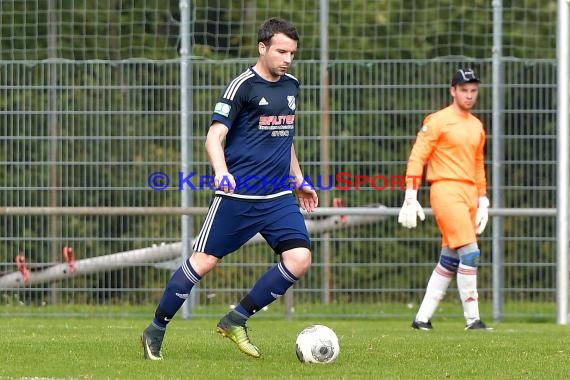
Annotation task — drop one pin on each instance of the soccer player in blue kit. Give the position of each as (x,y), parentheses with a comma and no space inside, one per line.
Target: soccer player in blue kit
(256,175)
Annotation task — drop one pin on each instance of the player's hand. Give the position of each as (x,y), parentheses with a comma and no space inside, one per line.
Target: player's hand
(225,182)
(410,210)
(482,215)
(308,198)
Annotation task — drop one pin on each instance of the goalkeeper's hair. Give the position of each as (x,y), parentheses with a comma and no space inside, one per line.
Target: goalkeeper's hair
(273,26)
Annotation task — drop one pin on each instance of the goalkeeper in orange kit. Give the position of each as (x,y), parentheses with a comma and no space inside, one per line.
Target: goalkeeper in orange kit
(451,141)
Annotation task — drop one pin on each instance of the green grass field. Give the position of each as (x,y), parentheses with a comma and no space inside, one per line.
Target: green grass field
(107,348)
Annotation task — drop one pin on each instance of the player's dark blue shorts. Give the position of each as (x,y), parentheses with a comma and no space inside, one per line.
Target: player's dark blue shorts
(231,222)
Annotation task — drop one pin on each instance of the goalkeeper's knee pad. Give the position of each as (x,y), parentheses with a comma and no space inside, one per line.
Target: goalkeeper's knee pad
(469,255)
(470,259)
(449,263)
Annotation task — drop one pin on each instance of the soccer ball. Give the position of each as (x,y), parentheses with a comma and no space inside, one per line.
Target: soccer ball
(317,344)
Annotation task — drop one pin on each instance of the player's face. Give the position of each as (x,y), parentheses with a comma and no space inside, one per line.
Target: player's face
(465,95)
(278,56)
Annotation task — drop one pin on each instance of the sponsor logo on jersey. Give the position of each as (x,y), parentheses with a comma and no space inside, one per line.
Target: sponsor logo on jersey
(263,102)
(222,109)
(277,120)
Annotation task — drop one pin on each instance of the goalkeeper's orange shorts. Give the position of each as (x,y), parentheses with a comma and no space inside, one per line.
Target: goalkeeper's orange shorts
(454,204)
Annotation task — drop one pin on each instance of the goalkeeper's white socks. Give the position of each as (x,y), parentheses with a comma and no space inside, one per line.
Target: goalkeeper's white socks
(467,286)
(435,291)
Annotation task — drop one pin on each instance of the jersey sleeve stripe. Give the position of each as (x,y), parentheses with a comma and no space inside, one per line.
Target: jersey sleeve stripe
(234,84)
(292,77)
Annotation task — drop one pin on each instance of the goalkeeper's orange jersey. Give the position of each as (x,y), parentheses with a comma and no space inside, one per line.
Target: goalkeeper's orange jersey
(453,145)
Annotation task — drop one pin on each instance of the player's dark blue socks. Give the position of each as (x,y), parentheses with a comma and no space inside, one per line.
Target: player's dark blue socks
(176,292)
(270,286)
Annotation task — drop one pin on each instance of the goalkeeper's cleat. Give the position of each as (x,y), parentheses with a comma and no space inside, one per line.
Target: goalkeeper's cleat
(238,334)
(478,325)
(151,340)
(426,326)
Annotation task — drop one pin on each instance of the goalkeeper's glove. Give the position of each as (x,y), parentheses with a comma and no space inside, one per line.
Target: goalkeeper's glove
(411,209)
(482,215)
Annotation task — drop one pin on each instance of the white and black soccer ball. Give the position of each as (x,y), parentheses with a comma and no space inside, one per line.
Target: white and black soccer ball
(317,344)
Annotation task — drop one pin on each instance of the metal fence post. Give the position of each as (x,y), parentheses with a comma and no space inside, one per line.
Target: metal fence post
(497,164)
(186,136)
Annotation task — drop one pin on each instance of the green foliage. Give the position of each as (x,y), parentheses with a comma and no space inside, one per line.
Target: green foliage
(386,29)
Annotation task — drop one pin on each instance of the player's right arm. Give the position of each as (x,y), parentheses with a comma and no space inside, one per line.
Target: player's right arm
(226,111)
(423,147)
(425,143)
(215,150)
(480,176)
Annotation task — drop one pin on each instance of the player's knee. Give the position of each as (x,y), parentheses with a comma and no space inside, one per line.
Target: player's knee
(303,259)
(449,263)
(203,262)
(470,259)
(297,260)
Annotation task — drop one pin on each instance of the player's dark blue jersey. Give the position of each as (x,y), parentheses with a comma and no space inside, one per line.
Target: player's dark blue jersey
(260,116)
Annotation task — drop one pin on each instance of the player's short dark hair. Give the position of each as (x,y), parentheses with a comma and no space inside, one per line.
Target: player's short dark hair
(273,26)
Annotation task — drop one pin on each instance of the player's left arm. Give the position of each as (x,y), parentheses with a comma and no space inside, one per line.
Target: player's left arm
(307,196)
(480,176)
(482,215)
